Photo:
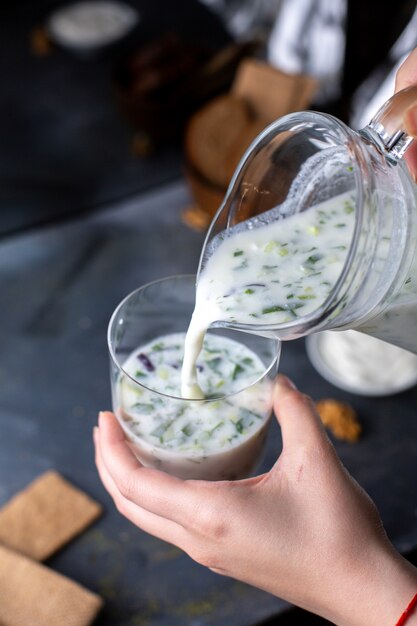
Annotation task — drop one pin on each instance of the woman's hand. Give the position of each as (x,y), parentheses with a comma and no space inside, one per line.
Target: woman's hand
(407,77)
(304,531)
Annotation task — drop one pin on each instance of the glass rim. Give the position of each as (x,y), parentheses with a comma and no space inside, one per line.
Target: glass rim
(266,372)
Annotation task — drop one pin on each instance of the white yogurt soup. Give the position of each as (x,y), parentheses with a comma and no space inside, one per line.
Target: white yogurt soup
(220,438)
(270,274)
(397,323)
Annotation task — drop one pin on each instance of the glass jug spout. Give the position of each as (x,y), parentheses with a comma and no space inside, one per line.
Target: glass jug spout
(387,128)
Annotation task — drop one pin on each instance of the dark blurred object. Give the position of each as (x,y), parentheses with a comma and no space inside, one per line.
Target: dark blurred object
(40,42)
(372,28)
(66,148)
(162,83)
(219,133)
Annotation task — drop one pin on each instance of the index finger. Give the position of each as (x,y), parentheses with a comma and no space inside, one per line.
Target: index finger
(407,77)
(151,489)
(407,72)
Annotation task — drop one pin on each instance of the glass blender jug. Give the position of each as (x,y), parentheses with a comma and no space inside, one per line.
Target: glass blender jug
(305,159)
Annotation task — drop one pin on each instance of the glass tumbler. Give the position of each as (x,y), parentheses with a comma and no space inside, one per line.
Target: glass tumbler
(169,432)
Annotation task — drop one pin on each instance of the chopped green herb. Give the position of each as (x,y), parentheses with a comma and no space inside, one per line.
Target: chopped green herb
(313,258)
(249,291)
(160,431)
(273,309)
(214,364)
(247,361)
(239,426)
(247,414)
(146,409)
(219,425)
(158,347)
(210,350)
(162,372)
(187,430)
(237,371)
(242,266)
(238,253)
(271,246)
(292,309)
(314,230)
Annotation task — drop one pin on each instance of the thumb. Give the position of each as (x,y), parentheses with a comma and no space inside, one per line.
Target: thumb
(407,72)
(410,120)
(297,417)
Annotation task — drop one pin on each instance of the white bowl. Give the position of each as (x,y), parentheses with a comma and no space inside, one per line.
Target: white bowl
(90,24)
(361,364)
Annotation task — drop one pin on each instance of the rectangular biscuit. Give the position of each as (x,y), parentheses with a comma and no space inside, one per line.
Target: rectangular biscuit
(43,517)
(31,593)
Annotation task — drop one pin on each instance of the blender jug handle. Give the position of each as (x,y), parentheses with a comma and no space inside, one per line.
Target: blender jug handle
(387,129)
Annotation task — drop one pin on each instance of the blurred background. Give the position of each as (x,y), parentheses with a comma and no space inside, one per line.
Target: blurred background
(96,112)
(121,124)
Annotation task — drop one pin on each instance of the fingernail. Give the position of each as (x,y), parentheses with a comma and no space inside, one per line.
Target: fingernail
(100,417)
(284,383)
(95,433)
(410,120)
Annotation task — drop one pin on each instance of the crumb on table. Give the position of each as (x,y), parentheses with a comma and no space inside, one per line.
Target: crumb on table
(195,218)
(40,43)
(340,418)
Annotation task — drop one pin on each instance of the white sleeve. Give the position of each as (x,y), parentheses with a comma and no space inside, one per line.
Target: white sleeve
(309,37)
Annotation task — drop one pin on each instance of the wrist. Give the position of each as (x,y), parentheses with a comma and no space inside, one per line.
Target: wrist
(377,592)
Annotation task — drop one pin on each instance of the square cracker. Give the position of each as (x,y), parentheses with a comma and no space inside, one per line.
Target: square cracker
(42,518)
(31,593)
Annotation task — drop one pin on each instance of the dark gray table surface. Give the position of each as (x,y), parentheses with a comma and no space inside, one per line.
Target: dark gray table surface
(66,143)
(59,286)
